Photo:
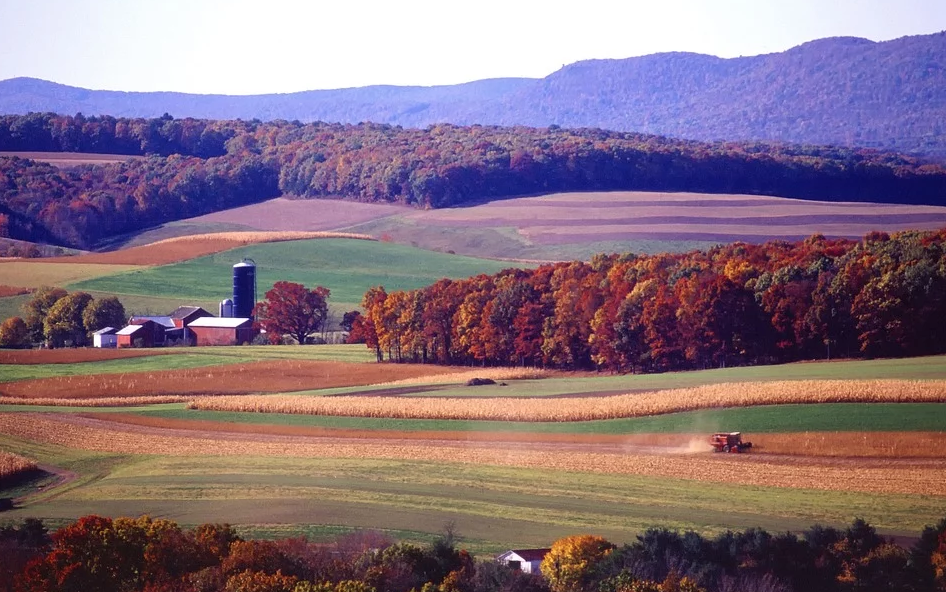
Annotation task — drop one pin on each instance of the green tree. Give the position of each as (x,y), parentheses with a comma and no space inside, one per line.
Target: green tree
(64,320)
(37,307)
(14,333)
(104,312)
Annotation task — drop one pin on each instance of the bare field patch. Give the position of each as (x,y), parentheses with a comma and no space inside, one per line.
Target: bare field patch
(11,464)
(271,376)
(282,214)
(461,377)
(57,271)
(887,476)
(183,248)
(72,355)
(745,394)
(6,291)
(66,159)
(633,215)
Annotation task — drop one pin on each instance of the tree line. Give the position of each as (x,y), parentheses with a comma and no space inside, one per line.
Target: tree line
(738,304)
(59,318)
(197,166)
(146,554)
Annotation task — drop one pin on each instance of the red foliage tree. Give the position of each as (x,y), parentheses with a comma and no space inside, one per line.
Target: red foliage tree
(292,309)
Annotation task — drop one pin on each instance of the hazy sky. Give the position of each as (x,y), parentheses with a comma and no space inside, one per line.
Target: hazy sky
(263,46)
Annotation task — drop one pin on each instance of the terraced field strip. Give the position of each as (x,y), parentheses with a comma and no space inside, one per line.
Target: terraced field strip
(921,477)
(744,394)
(832,444)
(11,464)
(66,159)
(59,271)
(249,377)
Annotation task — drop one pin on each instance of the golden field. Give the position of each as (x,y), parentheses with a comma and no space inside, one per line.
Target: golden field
(11,464)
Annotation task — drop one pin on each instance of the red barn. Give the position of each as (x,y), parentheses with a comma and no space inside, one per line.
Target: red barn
(142,333)
(185,315)
(226,331)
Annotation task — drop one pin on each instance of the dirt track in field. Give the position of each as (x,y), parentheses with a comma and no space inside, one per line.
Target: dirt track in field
(873,475)
(271,376)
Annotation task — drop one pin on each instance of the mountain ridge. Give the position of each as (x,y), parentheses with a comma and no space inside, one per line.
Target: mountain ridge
(845,91)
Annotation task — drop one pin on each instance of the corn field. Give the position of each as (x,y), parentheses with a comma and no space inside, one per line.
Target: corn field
(11,464)
(591,408)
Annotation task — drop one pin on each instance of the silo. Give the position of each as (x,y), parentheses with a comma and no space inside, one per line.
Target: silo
(226,308)
(244,288)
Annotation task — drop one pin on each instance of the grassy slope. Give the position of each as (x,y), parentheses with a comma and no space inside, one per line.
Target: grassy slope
(347,267)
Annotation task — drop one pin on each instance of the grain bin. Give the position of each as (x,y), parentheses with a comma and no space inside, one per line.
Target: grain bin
(226,308)
(244,288)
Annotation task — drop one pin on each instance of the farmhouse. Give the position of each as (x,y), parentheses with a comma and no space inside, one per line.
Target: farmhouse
(526,560)
(222,331)
(105,337)
(140,333)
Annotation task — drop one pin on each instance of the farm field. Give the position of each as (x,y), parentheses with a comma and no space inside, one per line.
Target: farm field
(68,159)
(347,267)
(576,225)
(503,483)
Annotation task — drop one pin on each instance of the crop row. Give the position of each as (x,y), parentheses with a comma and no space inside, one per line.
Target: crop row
(592,408)
(11,464)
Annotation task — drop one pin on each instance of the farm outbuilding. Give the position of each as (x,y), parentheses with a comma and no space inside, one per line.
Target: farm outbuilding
(525,560)
(105,337)
(217,331)
(140,333)
(185,315)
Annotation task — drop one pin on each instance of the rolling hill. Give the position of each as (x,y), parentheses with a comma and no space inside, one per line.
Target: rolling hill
(844,91)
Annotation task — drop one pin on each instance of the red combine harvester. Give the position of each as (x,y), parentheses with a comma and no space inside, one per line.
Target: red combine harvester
(729,442)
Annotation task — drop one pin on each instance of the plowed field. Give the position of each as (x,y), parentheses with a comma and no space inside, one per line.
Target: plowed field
(923,477)
(72,355)
(253,377)
(184,248)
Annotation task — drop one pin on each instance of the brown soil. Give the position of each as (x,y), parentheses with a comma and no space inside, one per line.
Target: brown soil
(6,291)
(872,475)
(271,376)
(302,214)
(72,355)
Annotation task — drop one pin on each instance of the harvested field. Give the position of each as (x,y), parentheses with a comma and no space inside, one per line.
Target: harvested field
(921,477)
(95,402)
(271,376)
(495,374)
(745,394)
(284,213)
(183,248)
(632,215)
(819,444)
(11,464)
(73,355)
(6,291)
(67,159)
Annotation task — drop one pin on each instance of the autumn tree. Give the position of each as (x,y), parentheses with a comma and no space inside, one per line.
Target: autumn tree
(64,321)
(104,312)
(292,309)
(571,560)
(14,333)
(37,307)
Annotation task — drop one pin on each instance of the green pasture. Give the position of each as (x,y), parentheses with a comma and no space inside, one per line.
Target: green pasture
(829,417)
(493,507)
(347,267)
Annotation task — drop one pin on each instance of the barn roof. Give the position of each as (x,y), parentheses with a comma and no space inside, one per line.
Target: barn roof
(163,321)
(224,323)
(185,311)
(130,330)
(105,331)
(527,554)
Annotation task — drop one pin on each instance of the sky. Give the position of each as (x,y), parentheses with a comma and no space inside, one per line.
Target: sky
(276,46)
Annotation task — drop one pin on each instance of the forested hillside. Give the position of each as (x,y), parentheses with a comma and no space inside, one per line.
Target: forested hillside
(199,166)
(843,91)
(738,304)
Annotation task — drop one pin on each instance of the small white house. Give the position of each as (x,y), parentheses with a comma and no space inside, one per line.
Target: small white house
(106,337)
(525,560)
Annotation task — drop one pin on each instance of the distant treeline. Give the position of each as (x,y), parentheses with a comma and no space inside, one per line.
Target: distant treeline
(148,555)
(737,304)
(198,166)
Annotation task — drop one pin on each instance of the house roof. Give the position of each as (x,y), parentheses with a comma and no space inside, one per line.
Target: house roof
(185,311)
(129,330)
(105,331)
(225,323)
(164,321)
(526,554)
